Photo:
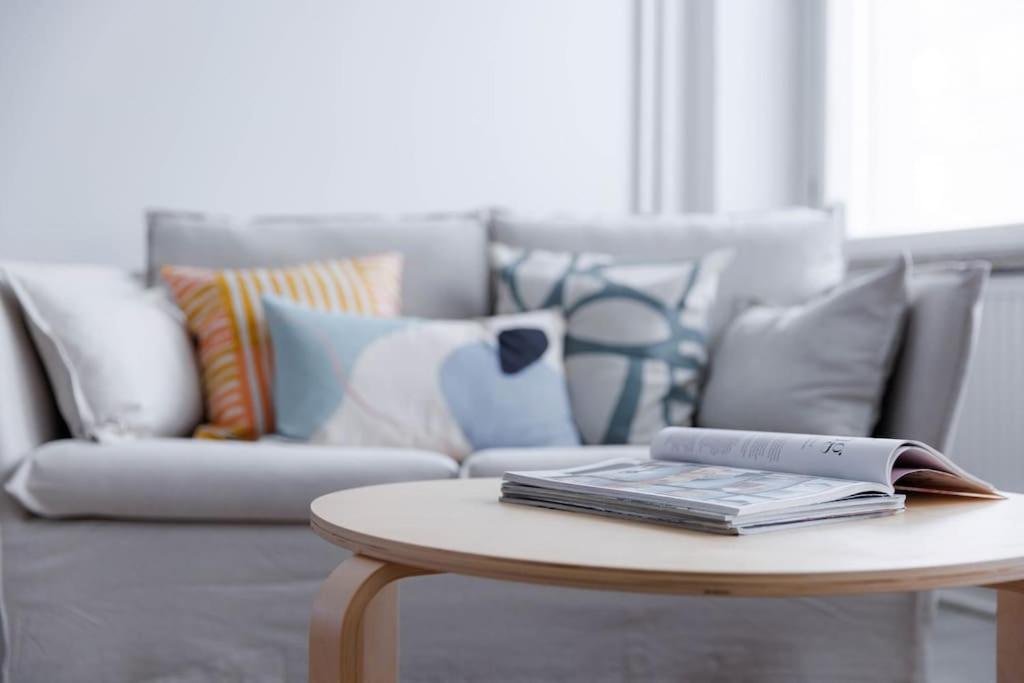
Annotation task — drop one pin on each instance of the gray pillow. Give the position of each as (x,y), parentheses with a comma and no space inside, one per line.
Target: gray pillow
(817,368)
(925,391)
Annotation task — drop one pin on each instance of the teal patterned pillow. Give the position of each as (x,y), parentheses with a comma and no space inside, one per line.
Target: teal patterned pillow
(635,348)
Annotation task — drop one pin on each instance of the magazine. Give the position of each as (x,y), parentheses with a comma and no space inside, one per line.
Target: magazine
(739,482)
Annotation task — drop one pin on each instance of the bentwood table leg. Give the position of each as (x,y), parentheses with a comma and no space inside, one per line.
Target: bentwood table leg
(1010,632)
(353,635)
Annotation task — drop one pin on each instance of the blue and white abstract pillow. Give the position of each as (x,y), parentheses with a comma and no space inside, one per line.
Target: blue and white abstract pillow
(452,387)
(635,350)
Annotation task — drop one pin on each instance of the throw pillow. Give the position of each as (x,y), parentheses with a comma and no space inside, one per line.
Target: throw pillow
(817,368)
(635,348)
(223,310)
(118,356)
(448,386)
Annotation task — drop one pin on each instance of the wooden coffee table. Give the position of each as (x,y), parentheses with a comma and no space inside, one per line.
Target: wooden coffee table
(458,526)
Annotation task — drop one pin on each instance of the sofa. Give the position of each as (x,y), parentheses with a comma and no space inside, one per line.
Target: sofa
(176,559)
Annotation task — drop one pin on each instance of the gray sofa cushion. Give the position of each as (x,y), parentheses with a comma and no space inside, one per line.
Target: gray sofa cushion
(815,368)
(205,480)
(781,257)
(494,462)
(924,394)
(445,270)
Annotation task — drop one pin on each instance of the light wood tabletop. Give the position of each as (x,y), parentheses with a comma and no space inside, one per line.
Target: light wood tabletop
(458,526)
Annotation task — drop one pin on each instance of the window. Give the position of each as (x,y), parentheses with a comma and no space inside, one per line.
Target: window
(925,113)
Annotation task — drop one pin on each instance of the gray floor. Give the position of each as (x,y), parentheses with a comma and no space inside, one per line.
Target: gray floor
(964,647)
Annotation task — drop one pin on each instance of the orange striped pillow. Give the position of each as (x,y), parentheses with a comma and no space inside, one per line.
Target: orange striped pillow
(223,310)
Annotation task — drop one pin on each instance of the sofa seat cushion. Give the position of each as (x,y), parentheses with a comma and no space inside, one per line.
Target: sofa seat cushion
(494,462)
(185,479)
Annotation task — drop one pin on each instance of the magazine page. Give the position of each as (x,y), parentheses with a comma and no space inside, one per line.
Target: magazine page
(854,458)
(710,487)
(919,467)
(856,507)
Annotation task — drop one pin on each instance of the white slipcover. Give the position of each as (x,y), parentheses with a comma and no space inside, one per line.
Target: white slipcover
(163,602)
(195,479)
(89,600)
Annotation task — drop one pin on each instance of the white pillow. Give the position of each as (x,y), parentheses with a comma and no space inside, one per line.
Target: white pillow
(118,356)
(449,386)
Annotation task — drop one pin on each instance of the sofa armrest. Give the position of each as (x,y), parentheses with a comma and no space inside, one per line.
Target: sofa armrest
(924,394)
(28,413)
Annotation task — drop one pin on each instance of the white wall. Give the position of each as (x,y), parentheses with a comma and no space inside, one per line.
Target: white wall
(246,106)
(759,117)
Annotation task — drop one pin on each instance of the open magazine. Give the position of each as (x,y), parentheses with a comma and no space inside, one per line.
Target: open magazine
(738,482)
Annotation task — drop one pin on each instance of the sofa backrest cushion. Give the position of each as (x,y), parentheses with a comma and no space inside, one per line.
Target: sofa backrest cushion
(781,257)
(925,390)
(445,271)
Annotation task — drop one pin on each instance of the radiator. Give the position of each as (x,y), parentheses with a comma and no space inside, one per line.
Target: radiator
(990,436)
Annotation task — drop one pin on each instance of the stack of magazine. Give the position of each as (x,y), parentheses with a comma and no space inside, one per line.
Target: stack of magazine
(738,482)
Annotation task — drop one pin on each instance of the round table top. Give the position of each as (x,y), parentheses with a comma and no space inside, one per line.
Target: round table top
(459,526)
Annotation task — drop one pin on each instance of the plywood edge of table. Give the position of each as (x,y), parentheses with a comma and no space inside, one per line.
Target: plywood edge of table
(1007,573)
(609,578)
